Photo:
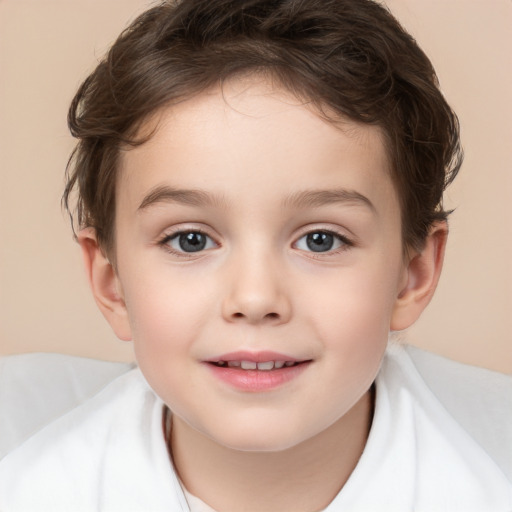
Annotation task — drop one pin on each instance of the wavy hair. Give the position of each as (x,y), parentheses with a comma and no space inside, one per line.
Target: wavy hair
(350,58)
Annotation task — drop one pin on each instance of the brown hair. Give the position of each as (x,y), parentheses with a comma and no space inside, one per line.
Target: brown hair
(350,57)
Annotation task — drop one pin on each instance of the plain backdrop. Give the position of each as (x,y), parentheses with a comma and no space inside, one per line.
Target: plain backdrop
(47,47)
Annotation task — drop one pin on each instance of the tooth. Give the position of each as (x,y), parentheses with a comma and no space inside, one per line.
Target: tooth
(221,363)
(267,365)
(234,364)
(248,365)
(278,364)
(289,363)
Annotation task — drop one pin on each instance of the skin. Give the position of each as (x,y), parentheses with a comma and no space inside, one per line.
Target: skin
(259,157)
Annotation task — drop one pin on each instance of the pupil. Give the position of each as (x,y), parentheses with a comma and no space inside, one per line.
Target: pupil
(192,242)
(320,242)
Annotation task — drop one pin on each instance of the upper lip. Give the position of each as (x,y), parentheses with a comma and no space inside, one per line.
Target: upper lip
(256,357)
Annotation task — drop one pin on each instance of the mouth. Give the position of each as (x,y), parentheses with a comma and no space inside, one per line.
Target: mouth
(257,372)
(253,365)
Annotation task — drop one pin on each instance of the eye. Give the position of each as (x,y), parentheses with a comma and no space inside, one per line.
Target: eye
(189,241)
(321,241)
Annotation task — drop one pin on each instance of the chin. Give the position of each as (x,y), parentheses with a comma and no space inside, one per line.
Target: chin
(260,438)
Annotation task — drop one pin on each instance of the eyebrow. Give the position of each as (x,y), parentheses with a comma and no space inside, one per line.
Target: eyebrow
(305,199)
(318,198)
(190,197)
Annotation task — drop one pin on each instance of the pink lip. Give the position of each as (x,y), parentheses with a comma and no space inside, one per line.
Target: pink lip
(256,381)
(256,357)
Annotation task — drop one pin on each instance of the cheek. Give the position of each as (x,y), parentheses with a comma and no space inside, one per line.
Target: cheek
(165,315)
(165,325)
(355,303)
(352,323)
(351,315)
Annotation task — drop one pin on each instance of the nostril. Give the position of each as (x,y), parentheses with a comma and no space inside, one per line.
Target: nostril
(271,316)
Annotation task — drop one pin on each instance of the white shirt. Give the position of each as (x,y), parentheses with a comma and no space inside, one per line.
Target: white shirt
(109,454)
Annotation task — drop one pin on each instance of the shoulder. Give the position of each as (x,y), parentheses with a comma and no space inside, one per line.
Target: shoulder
(35,389)
(479,400)
(57,468)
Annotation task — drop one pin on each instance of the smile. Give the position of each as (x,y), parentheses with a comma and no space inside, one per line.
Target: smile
(256,372)
(253,365)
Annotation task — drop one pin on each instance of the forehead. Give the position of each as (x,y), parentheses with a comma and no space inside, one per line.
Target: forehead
(252,131)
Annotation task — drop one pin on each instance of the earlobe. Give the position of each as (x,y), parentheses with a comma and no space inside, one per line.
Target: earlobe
(104,284)
(420,279)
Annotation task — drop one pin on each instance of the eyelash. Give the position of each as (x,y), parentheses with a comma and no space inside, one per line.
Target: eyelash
(345,242)
(164,242)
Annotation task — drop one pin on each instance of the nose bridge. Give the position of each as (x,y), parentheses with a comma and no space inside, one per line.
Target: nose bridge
(257,290)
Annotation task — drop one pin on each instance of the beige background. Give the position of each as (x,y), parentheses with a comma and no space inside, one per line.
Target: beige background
(48,46)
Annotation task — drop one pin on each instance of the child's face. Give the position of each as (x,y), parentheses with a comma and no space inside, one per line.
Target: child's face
(249,229)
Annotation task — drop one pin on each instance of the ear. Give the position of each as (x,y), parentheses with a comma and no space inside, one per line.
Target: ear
(105,284)
(421,276)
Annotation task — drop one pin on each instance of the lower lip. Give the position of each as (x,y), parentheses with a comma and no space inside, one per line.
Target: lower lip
(257,380)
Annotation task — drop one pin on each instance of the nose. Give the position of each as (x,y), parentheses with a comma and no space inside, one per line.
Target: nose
(256,292)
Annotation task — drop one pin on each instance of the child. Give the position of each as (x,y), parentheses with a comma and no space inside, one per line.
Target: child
(259,202)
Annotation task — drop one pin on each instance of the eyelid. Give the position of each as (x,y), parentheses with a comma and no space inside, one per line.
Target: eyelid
(175,231)
(338,231)
(346,241)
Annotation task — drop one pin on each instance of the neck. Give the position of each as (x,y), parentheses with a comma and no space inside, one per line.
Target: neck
(304,478)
